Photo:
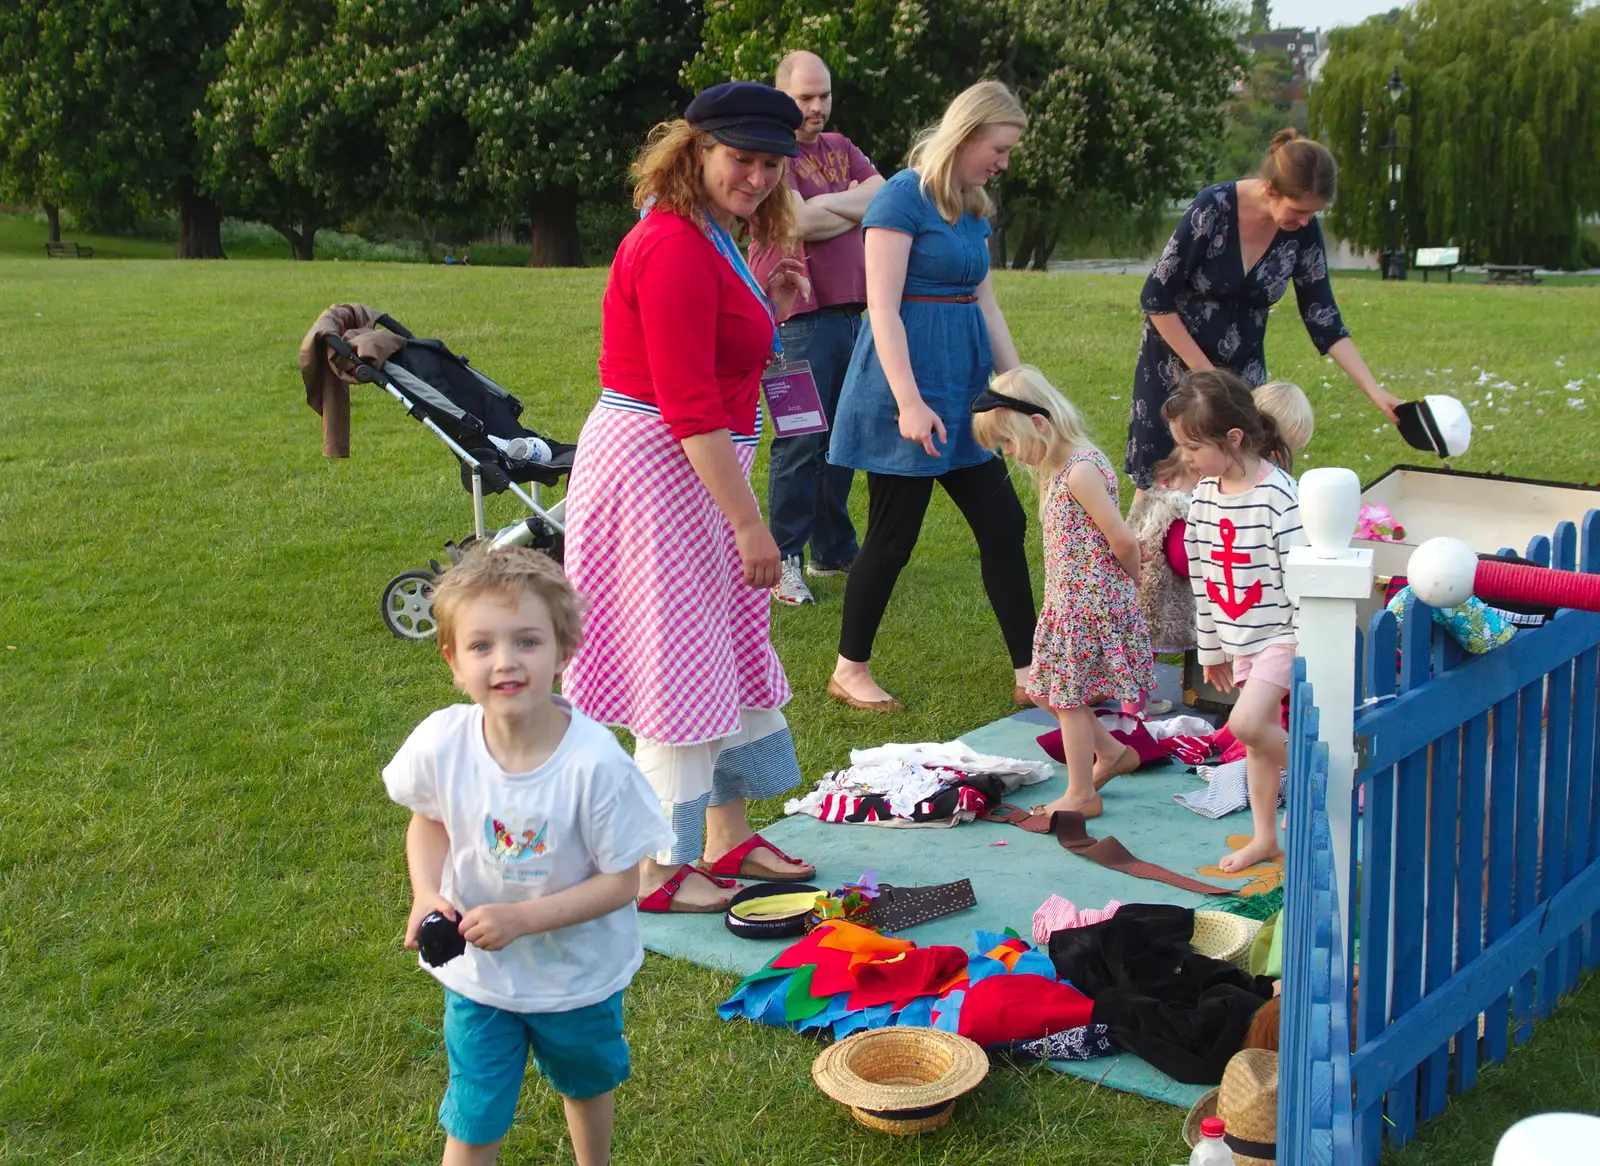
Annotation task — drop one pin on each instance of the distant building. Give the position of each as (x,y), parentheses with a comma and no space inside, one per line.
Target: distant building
(1303,48)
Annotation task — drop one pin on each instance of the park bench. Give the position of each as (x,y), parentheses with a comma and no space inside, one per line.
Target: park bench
(68,251)
(1510,273)
(1438,258)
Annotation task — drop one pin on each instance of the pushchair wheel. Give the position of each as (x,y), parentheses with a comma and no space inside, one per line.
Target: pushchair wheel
(408,605)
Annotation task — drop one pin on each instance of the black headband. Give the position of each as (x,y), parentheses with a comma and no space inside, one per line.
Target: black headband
(989,399)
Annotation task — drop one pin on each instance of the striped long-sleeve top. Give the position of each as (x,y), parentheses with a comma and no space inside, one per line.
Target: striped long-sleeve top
(1237,546)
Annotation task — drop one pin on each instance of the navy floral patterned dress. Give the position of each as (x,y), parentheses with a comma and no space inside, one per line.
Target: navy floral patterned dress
(1201,277)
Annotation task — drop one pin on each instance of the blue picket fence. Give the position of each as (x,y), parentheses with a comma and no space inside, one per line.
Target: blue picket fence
(1476,827)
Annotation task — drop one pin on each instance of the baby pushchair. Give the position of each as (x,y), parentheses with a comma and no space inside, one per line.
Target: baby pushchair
(479,422)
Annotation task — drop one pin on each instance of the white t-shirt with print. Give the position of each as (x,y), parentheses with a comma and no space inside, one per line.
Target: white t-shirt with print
(520,836)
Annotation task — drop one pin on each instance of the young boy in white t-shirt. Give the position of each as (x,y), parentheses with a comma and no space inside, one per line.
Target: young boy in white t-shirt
(527,827)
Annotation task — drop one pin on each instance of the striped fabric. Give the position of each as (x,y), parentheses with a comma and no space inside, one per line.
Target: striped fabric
(674,644)
(759,769)
(611,399)
(1237,546)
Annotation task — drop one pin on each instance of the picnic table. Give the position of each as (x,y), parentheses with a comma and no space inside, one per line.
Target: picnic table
(68,251)
(1436,258)
(1510,273)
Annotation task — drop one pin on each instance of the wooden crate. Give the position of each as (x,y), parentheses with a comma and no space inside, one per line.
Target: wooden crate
(1488,512)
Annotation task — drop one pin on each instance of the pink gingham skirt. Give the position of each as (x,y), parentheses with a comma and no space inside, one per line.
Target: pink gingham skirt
(674,643)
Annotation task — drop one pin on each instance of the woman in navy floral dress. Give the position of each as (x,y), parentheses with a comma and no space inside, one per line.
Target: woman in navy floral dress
(1235,251)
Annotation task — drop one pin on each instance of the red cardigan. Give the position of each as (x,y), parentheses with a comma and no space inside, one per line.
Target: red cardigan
(680,330)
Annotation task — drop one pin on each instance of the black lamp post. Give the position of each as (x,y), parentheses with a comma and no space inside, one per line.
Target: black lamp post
(1394,260)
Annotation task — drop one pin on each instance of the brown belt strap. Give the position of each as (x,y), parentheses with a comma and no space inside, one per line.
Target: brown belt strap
(1069,828)
(941,299)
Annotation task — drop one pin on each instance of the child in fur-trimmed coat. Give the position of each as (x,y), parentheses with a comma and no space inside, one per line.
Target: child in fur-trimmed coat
(1157,520)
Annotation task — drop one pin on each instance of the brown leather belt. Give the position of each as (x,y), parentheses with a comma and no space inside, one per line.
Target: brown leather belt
(941,299)
(1069,830)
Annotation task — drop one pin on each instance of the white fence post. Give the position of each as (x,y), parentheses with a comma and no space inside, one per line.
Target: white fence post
(1327,579)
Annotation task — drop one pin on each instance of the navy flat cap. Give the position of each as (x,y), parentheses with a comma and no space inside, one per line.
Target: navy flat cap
(747,116)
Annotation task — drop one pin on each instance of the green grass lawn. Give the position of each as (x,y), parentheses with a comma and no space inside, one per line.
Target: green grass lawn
(202,886)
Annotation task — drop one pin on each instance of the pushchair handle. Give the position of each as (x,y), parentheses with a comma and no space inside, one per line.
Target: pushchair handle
(340,348)
(359,368)
(387,321)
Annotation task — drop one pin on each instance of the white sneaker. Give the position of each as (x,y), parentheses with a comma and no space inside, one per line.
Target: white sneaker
(792,589)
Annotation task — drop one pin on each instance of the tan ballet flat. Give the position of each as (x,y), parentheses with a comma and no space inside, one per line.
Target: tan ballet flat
(836,690)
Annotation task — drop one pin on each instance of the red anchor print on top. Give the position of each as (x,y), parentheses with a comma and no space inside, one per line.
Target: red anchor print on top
(1233,606)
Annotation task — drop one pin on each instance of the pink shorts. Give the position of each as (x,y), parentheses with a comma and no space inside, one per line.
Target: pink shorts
(1273,664)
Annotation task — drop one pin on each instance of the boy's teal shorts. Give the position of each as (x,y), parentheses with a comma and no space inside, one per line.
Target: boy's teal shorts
(581,1053)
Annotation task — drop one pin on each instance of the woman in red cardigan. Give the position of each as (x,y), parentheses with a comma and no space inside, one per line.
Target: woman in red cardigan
(664,539)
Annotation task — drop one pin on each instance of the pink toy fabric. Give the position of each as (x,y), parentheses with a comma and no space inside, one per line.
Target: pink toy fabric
(1378,524)
(1058,914)
(1177,553)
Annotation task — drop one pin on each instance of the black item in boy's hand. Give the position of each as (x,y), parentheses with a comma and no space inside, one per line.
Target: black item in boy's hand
(439,939)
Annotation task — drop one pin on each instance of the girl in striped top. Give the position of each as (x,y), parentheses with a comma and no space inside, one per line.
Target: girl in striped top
(1244,518)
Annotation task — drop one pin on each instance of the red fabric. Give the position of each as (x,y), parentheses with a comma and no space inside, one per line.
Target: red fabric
(1177,555)
(680,330)
(1006,1008)
(901,979)
(1147,747)
(1228,747)
(1520,583)
(1189,750)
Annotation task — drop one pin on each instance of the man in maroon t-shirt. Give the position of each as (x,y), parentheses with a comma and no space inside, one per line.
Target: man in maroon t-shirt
(831,183)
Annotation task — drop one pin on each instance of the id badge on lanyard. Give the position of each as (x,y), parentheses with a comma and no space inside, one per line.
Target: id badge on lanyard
(792,398)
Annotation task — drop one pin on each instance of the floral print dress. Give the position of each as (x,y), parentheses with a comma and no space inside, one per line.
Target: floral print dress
(1200,277)
(1091,642)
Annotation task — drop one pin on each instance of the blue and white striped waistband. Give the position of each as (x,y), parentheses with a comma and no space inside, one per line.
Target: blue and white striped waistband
(611,399)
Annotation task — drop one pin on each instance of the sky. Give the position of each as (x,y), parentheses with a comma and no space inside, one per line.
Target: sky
(1327,13)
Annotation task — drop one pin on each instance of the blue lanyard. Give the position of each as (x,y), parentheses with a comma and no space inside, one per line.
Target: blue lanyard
(725,245)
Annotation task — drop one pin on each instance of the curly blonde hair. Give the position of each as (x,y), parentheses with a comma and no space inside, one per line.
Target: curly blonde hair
(667,173)
(510,573)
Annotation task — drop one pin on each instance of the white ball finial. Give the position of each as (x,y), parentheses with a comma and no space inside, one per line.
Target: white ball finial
(1330,508)
(1441,572)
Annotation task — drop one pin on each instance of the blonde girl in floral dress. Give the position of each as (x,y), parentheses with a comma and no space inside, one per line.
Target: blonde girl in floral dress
(1091,643)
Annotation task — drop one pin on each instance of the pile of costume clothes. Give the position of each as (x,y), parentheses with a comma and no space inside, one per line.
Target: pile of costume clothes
(929,784)
(1128,983)
(1215,755)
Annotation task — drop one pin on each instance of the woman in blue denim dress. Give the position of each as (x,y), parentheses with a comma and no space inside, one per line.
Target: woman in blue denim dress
(935,337)
(1233,255)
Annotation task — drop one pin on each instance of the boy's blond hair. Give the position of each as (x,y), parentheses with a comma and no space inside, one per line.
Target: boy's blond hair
(1287,404)
(511,572)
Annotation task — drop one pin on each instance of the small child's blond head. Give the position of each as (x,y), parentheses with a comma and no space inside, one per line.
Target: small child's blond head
(512,572)
(1287,404)
(1061,425)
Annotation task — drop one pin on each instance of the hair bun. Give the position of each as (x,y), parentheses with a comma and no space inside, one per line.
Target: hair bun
(1282,138)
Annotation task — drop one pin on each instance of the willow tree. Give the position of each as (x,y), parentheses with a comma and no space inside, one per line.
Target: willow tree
(1499,126)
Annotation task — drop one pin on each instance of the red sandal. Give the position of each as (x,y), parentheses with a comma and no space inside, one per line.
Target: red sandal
(731,865)
(661,901)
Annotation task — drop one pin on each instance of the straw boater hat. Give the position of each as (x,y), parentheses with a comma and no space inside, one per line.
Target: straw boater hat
(900,1080)
(1248,1103)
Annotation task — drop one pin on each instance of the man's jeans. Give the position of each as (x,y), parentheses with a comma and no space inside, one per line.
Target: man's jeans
(807,499)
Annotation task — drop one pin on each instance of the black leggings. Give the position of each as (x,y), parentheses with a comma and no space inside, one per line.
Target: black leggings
(895,508)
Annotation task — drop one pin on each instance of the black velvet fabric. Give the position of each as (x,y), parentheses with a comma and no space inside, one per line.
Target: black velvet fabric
(1185,1013)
